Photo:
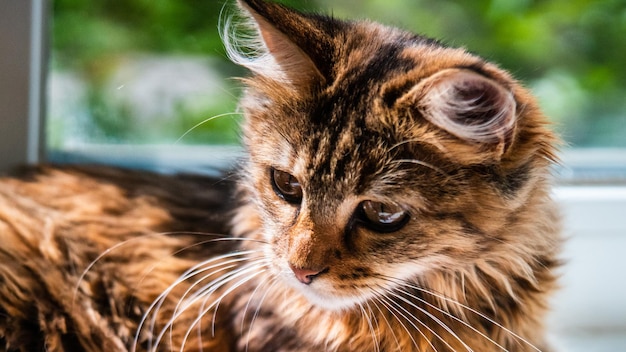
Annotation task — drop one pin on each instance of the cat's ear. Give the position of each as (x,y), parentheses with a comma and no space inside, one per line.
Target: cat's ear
(468,105)
(296,45)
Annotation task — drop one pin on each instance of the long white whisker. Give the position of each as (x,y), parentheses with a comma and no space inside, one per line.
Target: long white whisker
(178,311)
(455,318)
(435,319)
(102,255)
(198,293)
(156,304)
(370,326)
(373,316)
(152,267)
(265,263)
(217,280)
(390,306)
(423,163)
(216,303)
(196,270)
(202,123)
(129,241)
(258,310)
(421,322)
(207,293)
(245,309)
(189,302)
(470,309)
(393,334)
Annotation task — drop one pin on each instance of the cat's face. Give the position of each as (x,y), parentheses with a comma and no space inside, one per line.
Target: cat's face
(377,156)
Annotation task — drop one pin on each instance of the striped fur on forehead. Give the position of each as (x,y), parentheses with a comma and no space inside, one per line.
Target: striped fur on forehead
(371,121)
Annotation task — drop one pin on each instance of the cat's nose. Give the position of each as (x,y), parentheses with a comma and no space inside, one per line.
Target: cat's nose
(306,275)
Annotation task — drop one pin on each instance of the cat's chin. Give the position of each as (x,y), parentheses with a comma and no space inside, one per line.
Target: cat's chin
(323,296)
(330,302)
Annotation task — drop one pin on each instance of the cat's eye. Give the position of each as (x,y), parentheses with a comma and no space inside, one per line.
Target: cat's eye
(286,186)
(382,217)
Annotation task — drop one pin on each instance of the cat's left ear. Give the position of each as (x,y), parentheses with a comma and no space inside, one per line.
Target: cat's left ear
(298,46)
(470,106)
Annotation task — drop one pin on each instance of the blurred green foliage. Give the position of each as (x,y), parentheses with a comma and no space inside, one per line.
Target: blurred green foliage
(572,53)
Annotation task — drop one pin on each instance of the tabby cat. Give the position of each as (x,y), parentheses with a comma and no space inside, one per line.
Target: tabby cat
(395,197)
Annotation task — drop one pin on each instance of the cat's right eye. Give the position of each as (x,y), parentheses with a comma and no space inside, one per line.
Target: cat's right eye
(382,217)
(286,186)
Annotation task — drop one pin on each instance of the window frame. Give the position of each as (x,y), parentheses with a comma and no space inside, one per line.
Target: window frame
(22,81)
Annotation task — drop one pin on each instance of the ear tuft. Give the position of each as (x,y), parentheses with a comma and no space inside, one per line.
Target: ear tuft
(276,50)
(470,106)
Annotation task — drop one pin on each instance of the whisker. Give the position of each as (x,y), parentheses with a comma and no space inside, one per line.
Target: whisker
(422,140)
(425,164)
(258,310)
(143,237)
(102,255)
(395,306)
(435,319)
(213,266)
(372,316)
(202,123)
(470,309)
(215,304)
(245,309)
(368,319)
(207,288)
(420,322)
(155,306)
(225,239)
(390,306)
(179,311)
(265,263)
(455,318)
(393,334)
(198,293)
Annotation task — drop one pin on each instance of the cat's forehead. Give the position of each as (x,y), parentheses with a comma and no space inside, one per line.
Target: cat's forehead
(373,53)
(346,136)
(346,154)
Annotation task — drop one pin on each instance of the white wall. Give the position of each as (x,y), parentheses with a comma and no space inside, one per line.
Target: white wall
(590,310)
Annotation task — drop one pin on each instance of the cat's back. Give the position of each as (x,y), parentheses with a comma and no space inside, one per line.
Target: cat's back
(85,251)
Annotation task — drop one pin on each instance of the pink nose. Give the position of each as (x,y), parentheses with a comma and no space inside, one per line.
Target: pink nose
(305,275)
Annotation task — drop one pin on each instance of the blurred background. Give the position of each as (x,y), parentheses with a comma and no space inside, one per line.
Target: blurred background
(155,72)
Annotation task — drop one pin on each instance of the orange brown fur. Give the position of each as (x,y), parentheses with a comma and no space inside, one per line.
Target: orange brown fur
(85,251)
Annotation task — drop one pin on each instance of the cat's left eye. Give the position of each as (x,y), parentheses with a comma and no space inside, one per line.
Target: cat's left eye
(382,217)
(286,186)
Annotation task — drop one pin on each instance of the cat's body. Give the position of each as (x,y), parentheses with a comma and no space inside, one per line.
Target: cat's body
(395,198)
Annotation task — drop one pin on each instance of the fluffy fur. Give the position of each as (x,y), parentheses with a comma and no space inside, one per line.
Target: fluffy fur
(338,114)
(85,251)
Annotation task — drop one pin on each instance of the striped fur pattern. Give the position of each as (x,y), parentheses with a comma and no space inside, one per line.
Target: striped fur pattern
(395,197)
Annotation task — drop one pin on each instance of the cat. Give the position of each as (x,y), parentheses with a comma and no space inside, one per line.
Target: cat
(395,197)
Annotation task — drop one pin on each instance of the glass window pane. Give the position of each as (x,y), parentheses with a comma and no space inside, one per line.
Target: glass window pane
(139,72)
(155,72)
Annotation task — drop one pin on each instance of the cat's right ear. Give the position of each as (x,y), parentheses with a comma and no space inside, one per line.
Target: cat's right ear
(472,107)
(295,50)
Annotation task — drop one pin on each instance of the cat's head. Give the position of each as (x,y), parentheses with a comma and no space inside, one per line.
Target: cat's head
(377,155)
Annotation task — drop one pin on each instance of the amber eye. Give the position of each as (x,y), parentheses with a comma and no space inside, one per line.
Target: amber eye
(286,186)
(382,217)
